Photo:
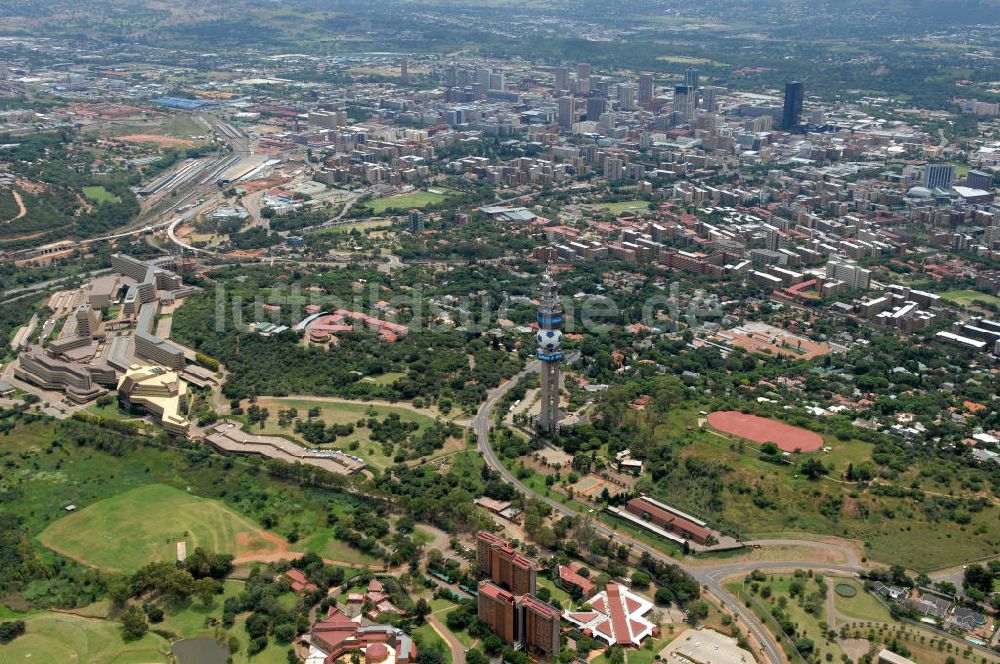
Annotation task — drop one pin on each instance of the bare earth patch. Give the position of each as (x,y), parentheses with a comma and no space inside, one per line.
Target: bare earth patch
(165,141)
(855,648)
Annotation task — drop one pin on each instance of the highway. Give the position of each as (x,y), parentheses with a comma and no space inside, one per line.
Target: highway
(710,576)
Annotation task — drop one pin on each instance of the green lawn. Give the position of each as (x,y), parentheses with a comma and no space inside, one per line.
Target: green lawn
(557,593)
(191,620)
(384,379)
(967,297)
(649,650)
(54,638)
(425,637)
(142,525)
(862,606)
(415,199)
(99,195)
(324,544)
(111,412)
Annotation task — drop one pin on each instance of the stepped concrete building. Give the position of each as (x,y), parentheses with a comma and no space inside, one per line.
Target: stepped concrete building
(50,373)
(157,391)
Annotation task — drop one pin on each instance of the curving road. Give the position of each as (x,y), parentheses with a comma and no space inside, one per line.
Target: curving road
(710,577)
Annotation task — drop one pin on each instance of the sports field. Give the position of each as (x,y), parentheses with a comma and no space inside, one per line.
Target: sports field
(127,531)
(99,195)
(764,430)
(967,297)
(55,638)
(416,199)
(623,207)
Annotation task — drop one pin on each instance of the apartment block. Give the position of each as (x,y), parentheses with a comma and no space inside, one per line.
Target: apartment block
(504,566)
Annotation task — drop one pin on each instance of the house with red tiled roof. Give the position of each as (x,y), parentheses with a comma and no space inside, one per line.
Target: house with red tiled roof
(569,578)
(300,582)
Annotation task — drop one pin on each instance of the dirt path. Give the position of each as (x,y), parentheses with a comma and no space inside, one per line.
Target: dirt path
(22,210)
(83,201)
(405,405)
(457,649)
(164,141)
(288,555)
(831,608)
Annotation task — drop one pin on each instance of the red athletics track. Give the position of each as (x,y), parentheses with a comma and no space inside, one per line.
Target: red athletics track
(763,430)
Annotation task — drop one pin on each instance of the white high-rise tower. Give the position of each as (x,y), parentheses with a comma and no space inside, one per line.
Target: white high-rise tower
(549,353)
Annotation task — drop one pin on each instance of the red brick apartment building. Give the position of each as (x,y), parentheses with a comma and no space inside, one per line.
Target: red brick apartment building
(504,566)
(520,618)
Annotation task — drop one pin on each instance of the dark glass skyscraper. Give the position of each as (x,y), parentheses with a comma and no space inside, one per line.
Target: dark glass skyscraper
(791,116)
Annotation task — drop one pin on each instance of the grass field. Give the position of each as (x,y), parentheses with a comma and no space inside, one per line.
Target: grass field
(968,297)
(808,623)
(685,60)
(54,638)
(99,195)
(360,226)
(863,606)
(323,544)
(384,379)
(143,525)
(622,207)
(415,199)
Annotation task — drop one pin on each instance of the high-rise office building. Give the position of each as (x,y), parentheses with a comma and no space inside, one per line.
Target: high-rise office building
(562,79)
(979,180)
(626,97)
(583,70)
(939,176)
(606,122)
(762,123)
(451,76)
(709,98)
(645,88)
(691,78)
(404,72)
(791,115)
(483,77)
(595,106)
(566,107)
(550,353)
(497,81)
(682,103)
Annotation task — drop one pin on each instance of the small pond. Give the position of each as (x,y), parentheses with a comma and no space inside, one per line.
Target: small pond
(202,650)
